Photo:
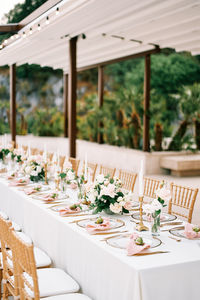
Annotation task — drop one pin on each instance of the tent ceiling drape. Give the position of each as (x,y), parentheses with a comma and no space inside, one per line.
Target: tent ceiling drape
(113,29)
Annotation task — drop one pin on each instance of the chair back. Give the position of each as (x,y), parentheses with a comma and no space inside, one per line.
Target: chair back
(107,171)
(75,164)
(26,268)
(92,168)
(128,180)
(150,186)
(10,280)
(182,201)
(61,160)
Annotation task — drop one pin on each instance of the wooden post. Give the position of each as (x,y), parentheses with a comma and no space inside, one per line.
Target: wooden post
(72,83)
(65,102)
(146,117)
(100,97)
(13,103)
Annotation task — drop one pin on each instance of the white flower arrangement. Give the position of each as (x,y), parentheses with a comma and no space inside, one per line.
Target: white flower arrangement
(106,194)
(163,195)
(34,168)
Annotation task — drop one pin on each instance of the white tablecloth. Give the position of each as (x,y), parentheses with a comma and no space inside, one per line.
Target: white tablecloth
(104,272)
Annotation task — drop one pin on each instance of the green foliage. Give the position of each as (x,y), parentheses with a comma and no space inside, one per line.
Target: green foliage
(44,122)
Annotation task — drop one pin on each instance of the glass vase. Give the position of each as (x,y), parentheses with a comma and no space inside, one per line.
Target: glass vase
(155,225)
(108,211)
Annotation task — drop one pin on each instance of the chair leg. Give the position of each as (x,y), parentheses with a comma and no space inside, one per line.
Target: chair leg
(5,292)
(1,275)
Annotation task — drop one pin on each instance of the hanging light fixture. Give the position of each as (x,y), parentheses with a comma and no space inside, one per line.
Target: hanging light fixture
(39,27)
(31,31)
(47,20)
(57,11)
(6,42)
(24,34)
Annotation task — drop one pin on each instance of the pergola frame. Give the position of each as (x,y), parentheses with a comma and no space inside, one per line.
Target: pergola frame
(70,84)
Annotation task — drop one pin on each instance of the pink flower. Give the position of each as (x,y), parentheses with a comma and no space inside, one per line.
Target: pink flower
(109,190)
(73,185)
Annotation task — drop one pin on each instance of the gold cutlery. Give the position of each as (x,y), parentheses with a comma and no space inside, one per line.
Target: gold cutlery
(136,222)
(173,238)
(171,224)
(76,215)
(110,237)
(76,221)
(150,253)
(112,232)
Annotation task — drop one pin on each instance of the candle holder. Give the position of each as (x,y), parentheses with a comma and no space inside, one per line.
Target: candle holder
(57,184)
(141,226)
(45,174)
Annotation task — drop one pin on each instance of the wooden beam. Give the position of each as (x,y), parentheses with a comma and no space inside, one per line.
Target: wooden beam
(65,102)
(146,116)
(72,85)
(116,60)
(13,103)
(100,98)
(10,28)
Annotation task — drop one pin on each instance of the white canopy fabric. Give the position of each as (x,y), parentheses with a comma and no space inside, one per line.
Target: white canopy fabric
(113,29)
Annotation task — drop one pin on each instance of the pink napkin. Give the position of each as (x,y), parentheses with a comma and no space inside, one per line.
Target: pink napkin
(18,182)
(13,176)
(49,197)
(31,190)
(132,248)
(190,233)
(92,228)
(67,210)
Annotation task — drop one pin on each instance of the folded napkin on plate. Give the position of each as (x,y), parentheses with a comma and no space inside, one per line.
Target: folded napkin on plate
(17,182)
(68,210)
(92,228)
(191,231)
(12,176)
(50,197)
(133,248)
(32,190)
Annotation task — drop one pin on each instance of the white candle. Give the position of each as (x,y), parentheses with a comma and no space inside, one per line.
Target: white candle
(85,173)
(5,140)
(45,153)
(141,175)
(29,149)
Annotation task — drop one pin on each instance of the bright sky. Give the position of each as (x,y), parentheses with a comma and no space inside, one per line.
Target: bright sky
(6,5)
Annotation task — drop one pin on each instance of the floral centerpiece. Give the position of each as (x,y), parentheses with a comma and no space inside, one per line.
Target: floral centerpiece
(106,195)
(34,168)
(68,176)
(153,210)
(16,155)
(4,152)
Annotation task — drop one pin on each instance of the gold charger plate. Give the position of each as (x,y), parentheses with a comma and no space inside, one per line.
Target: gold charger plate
(115,223)
(121,241)
(179,232)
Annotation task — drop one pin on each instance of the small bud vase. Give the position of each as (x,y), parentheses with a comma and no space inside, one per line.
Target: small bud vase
(155,225)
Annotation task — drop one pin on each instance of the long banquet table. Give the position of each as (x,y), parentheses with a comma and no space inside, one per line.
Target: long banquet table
(104,272)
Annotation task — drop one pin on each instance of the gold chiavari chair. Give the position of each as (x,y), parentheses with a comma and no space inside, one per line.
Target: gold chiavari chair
(107,171)
(182,201)
(75,164)
(150,186)
(61,160)
(33,282)
(50,155)
(25,148)
(128,179)
(92,168)
(10,282)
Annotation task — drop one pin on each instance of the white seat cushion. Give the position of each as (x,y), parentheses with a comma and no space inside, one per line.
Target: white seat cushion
(41,258)
(53,281)
(69,297)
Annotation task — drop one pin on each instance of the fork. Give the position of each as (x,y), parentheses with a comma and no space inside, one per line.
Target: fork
(173,238)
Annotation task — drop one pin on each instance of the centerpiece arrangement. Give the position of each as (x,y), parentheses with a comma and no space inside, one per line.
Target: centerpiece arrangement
(68,176)
(34,168)
(153,210)
(106,195)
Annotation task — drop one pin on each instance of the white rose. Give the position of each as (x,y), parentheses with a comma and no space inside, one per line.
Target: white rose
(38,169)
(116,208)
(70,175)
(100,178)
(34,173)
(164,194)
(119,199)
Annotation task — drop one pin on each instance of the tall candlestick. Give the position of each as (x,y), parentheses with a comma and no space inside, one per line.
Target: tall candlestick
(85,173)
(141,226)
